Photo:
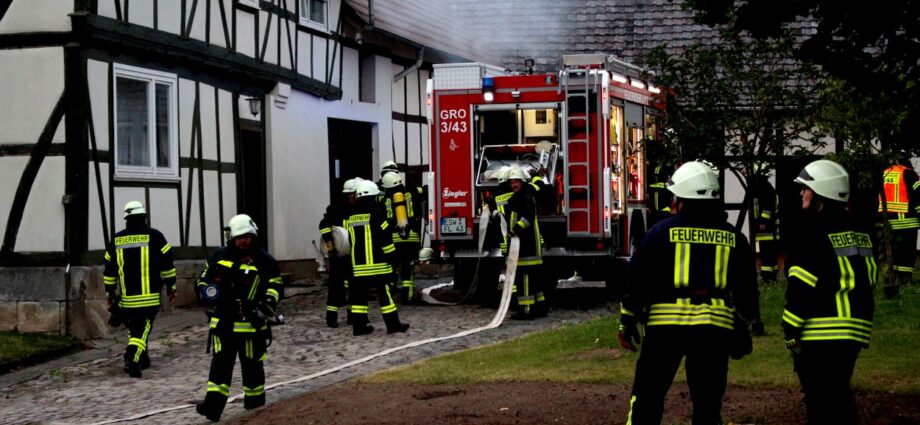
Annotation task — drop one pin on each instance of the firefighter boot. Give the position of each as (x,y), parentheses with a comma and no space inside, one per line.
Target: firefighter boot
(144,363)
(209,411)
(132,369)
(360,325)
(407,295)
(757,328)
(393,323)
(332,319)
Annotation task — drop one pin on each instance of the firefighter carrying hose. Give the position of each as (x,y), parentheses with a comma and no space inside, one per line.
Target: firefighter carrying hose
(522,222)
(902,206)
(138,264)
(244,285)
(405,221)
(693,284)
(371,255)
(829,306)
(339,262)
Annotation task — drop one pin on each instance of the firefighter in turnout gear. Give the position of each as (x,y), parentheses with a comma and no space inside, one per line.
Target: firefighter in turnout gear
(244,285)
(522,222)
(372,253)
(339,263)
(902,206)
(767,230)
(831,272)
(404,219)
(659,196)
(693,308)
(498,205)
(138,264)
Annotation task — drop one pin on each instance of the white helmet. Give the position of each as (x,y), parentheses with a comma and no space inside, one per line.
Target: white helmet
(242,224)
(367,188)
(503,173)
(391,180)
(694,180)
(134,208)
(425,254)
(517,174)
(388,167)
(826,178)
(351,185)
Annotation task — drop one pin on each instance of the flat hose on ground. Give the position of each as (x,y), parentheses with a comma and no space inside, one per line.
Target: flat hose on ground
(514,248)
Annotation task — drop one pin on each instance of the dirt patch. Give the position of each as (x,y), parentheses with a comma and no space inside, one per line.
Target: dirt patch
(547,403)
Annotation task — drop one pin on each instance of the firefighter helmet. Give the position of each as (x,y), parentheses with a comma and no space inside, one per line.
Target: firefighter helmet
(517,174)
(242,224)
(425,254)
(134,208)
(503,173)
(826,178)
(391,180)
(388,167)
(694,180)
(367,188)
(351,185)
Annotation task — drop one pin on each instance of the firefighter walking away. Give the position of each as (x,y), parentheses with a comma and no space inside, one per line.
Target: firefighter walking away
(138,264)
(244,285)
(697,308)
(372,253)
(829,306)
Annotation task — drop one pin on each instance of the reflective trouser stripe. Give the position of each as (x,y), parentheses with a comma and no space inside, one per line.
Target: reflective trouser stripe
(332,308)
(141,343)
(360,309)
(768,268)
(632,401)
(254,392)
(391,305)
(223,389)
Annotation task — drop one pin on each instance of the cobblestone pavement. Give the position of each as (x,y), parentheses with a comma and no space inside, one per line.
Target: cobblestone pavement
(96,390)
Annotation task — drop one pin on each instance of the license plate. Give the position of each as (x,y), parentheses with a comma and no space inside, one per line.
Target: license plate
(453,225)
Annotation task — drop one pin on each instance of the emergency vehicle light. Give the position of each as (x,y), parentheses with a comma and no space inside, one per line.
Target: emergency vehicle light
(488,85)
(637,84)
(654,89)
(618,78)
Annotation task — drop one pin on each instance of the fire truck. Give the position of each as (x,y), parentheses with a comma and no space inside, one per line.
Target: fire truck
(582,129)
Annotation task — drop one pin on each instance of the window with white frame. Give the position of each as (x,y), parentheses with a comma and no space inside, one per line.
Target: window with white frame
(146,130)
(314,13)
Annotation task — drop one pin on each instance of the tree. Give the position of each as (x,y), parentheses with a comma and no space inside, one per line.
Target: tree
(741,103)
(873,49)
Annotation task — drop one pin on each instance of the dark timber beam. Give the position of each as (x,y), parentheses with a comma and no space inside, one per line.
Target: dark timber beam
(116,38)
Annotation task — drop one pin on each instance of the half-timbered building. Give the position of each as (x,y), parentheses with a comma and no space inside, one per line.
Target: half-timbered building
(201,109)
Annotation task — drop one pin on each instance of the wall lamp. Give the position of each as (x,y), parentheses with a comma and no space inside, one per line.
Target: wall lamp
(255,105)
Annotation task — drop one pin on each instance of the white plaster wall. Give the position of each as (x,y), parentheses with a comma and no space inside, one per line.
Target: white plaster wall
(141,13)
(217,25)
(35,79)
(199,22)
(95,237)
(164,216)
(208,122)
(245,24)
(271,49)
(42,227)
(319,61)
(298,152)
(34,16)
(212,204)
(11,168)
(98,79)
(169,18)
(186,112)
(227,143)
(194,224)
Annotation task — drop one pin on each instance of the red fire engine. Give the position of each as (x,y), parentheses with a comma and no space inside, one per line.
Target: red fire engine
(582,129)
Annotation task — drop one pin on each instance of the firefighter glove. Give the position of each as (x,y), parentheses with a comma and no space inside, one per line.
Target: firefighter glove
(259,316)
(794,345)
(629,336)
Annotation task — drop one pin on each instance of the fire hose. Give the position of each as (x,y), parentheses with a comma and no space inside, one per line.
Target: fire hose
(514,247)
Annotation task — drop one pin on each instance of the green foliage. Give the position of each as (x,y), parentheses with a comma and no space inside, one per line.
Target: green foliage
(17,347)
(746,98)
(588,352)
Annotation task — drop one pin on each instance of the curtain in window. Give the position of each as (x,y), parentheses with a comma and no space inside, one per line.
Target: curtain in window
(132,141)
(318,11)
(162,113)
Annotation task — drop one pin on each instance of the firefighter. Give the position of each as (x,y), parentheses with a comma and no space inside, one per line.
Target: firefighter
(372,250)
(499,202)
(902,206)
(522,222)
(695,309)
(339,263)
(543,191)
(404,219)
(831,272)
(138,264)
(244,285)
(659,196)
(767,231)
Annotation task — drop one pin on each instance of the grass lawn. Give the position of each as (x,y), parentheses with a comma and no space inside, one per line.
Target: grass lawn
(589,352)
(16,347)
